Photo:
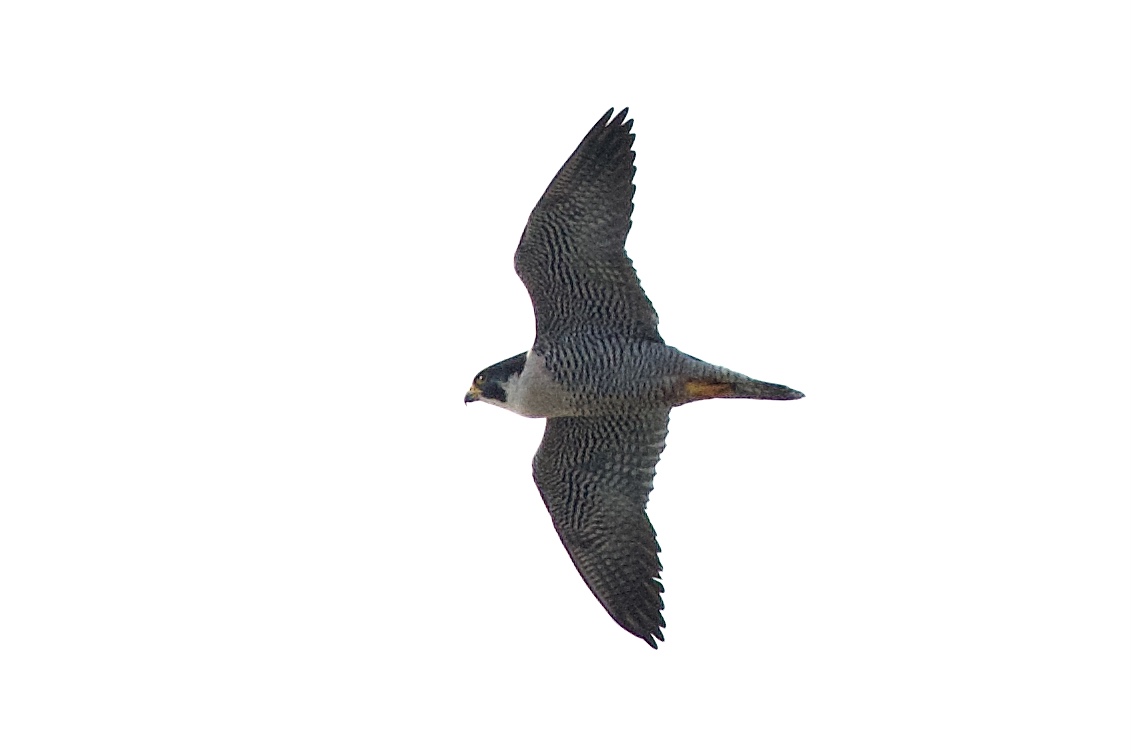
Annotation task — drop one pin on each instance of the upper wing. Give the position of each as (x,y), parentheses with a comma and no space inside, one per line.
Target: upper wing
(572,254)
(595,474)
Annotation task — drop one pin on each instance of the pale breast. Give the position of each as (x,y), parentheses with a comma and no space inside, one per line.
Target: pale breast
(538,394)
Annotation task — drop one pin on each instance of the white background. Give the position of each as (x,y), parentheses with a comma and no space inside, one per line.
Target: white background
(253,254)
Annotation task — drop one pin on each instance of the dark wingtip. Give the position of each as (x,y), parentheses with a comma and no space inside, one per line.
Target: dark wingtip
(609,120)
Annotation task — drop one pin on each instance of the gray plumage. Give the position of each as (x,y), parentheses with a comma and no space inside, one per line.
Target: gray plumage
(572,254)
(595,475)
(602,375)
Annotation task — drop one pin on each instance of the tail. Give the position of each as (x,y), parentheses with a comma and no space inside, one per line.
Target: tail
(698,389)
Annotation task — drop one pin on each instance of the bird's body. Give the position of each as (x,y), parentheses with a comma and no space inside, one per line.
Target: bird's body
(602,376)
(587,377)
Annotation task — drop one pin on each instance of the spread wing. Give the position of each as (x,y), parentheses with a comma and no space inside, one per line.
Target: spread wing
(572,254)
(595,475)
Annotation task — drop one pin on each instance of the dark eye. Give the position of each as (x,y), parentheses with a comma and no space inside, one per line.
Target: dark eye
(480,379)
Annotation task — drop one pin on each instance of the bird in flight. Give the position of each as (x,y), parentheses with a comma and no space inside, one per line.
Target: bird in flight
(601,375)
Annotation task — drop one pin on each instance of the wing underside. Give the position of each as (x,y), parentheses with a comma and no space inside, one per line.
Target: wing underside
(595,475)
(572,255)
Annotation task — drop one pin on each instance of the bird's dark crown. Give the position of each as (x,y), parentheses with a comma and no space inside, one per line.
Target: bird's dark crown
(490,381)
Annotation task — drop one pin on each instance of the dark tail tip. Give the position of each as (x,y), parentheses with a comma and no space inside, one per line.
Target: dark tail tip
(774,392)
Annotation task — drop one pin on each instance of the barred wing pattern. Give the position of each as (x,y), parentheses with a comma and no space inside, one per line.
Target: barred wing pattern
(595,475)
(572,254)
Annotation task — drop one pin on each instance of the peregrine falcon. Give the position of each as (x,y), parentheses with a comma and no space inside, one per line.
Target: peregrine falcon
(601,375)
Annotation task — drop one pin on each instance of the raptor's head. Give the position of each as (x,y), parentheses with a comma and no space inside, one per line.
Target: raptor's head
(493,383)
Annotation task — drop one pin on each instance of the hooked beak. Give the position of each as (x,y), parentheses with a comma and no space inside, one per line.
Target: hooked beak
(472,395)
